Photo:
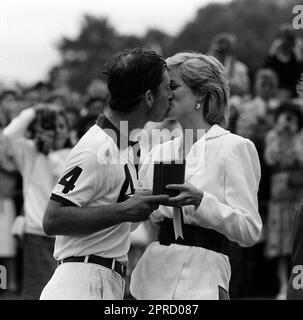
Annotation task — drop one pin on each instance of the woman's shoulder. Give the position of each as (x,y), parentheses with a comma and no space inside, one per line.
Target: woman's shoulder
(233,144)
(235,140)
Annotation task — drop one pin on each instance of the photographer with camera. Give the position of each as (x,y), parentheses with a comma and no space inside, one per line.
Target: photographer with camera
(40,160)
(282,59)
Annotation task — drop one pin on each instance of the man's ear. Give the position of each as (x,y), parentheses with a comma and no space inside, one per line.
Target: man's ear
(149,98)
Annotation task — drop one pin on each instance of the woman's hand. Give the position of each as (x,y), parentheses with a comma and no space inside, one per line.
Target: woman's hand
(189,195)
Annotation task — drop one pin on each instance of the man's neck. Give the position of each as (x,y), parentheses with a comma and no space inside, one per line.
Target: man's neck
(134,120)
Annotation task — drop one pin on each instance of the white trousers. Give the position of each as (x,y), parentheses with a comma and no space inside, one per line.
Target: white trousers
(84,281)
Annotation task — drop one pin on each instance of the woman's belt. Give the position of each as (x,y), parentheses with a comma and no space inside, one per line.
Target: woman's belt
(192,236)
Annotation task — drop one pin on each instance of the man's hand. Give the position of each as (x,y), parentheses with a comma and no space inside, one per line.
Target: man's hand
(189,195)
(140,205)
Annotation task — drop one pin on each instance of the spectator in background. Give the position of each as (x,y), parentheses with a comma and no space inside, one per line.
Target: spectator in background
(8,106)
(40,92)
(40,161)
(295,291)
(95,106)
(223,47)
(31,97)
(256,116)
(96,102)
(8,183)
(44,90)
(284,153)
(282,59)
(97,98)
(72,115)
(75,101)
(58,97)
(59,78)
(254,121)
(298,50)
(70,101)
(97,88)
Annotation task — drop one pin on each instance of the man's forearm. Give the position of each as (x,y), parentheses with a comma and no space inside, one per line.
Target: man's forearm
(69,220)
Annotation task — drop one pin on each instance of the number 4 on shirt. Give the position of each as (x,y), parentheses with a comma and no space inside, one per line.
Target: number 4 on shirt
(68,181)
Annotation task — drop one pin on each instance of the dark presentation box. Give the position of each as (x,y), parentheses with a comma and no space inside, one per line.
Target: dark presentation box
(168,173)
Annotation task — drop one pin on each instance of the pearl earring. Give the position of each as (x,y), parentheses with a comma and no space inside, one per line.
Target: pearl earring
(198,106)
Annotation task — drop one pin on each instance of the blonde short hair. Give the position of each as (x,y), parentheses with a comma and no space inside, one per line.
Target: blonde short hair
(205,75)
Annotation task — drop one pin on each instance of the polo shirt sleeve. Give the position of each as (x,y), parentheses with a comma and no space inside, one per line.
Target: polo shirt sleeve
(83,180)
(238,217)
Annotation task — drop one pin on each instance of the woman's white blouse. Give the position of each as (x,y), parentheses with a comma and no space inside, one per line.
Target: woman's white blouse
(227,168)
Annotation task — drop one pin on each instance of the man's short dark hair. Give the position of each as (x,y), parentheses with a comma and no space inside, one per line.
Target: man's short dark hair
(130,74)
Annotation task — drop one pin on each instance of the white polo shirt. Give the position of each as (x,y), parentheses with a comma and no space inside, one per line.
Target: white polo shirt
(97,173)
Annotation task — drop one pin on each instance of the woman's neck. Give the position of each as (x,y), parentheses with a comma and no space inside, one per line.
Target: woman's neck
(193,127)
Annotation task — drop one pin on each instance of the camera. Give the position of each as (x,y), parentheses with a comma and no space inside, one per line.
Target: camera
(45,121)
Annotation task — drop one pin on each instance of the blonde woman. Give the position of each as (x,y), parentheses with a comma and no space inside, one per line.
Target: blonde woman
(219,196)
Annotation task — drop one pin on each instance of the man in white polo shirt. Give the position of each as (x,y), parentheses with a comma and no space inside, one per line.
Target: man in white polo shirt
(90,211)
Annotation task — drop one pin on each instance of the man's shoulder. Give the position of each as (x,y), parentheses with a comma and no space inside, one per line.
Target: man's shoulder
(94,146)
(94,140)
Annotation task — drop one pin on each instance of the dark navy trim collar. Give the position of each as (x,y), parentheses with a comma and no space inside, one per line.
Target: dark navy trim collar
(104,123)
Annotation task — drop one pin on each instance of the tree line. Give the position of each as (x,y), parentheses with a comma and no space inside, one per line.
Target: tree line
(254,22)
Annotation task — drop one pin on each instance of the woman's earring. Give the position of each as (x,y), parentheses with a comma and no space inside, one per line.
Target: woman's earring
(198,106)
